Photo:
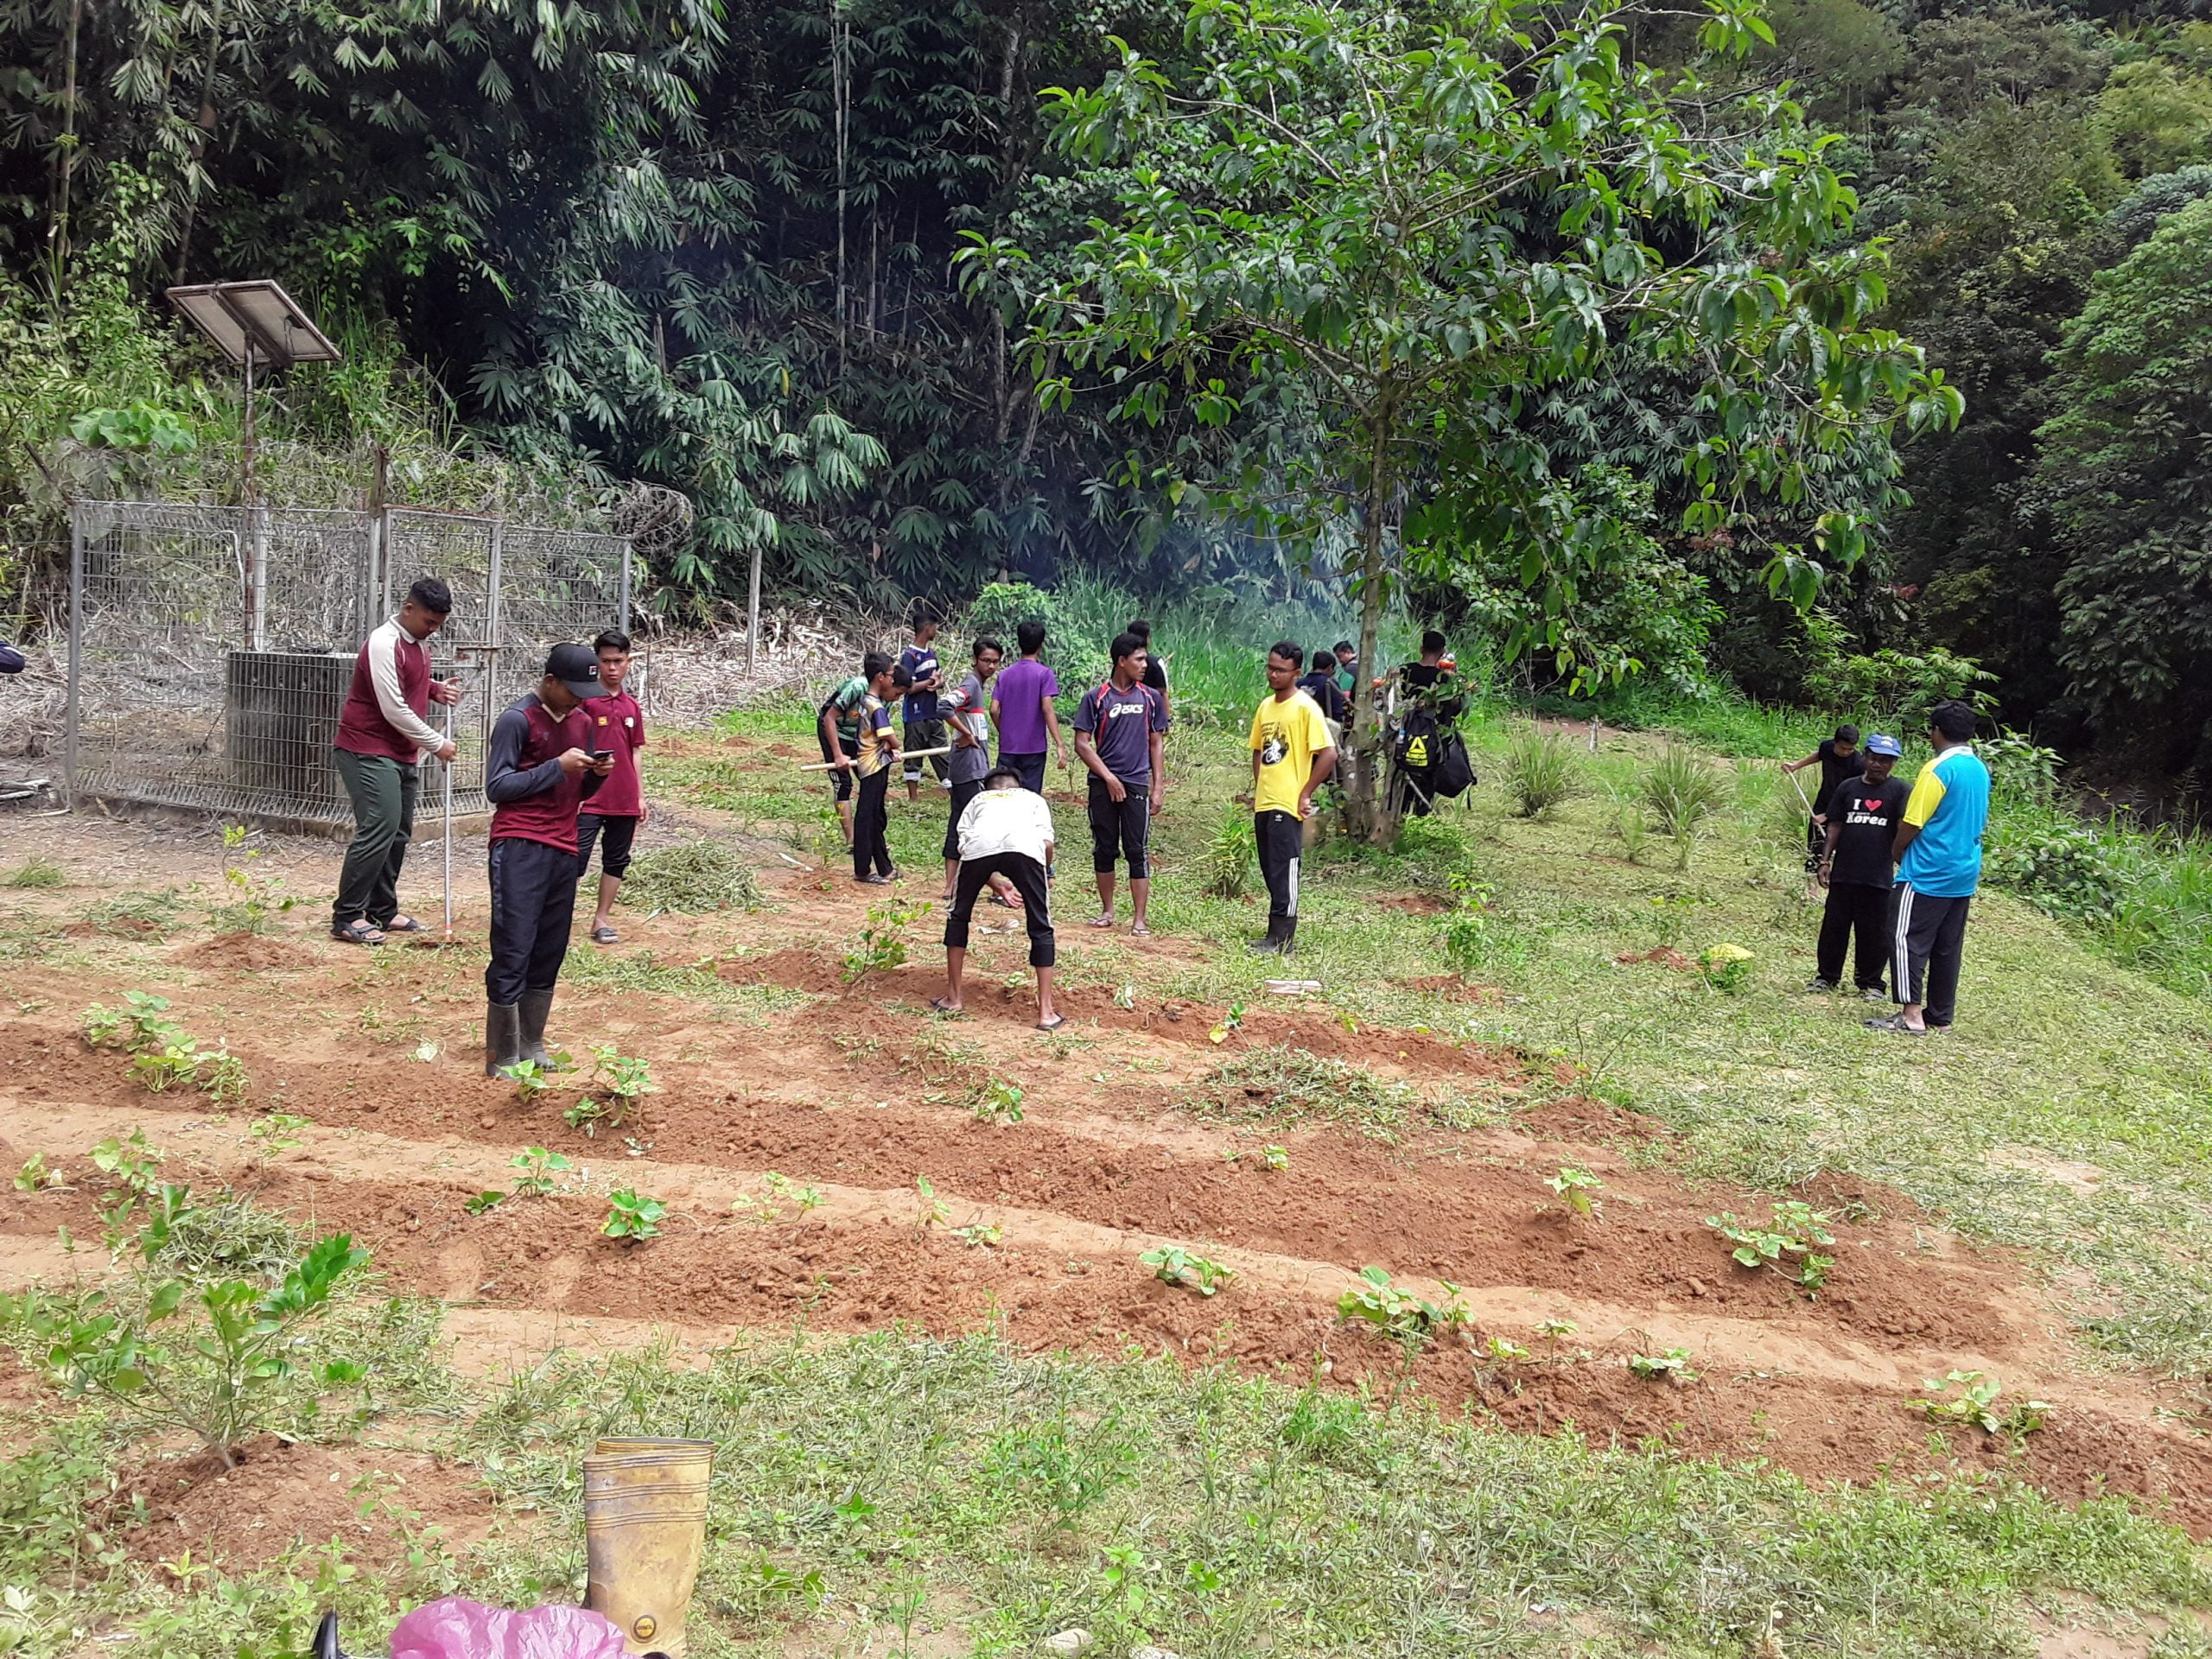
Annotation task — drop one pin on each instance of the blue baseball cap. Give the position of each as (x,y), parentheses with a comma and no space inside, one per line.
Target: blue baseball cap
(1881,743)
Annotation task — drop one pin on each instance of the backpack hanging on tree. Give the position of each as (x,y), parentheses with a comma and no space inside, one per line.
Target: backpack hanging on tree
(1455,771)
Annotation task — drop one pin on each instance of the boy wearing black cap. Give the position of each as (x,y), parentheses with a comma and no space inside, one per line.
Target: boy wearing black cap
(538,774)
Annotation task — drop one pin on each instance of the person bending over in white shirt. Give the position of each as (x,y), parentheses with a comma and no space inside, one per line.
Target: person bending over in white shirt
(1005,831)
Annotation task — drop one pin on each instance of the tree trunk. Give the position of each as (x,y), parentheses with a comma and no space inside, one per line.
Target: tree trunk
(1367,806)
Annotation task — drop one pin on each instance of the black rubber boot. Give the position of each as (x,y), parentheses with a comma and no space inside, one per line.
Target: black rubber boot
(534,1007)
(502,1037)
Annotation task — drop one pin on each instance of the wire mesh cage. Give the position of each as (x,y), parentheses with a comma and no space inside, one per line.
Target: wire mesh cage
(211,648)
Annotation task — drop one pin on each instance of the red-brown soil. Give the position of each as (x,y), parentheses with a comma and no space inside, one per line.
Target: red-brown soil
(860,1090)
(283,1493)
(1661,956)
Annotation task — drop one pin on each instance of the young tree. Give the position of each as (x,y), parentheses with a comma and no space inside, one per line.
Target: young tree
(1430,216)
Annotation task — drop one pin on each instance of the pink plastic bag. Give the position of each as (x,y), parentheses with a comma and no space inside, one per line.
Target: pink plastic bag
(454,1629)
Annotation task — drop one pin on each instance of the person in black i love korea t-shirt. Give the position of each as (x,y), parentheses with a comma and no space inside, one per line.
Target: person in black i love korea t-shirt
(1858,868)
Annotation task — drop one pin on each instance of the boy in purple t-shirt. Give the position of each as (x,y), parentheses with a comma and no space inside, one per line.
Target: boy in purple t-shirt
(1118,728)
(1021,706)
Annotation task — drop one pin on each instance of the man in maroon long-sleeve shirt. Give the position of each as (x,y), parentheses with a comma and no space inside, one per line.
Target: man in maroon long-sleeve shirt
(538,774)
(381,735)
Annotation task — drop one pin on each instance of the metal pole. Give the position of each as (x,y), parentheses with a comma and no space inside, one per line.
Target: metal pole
(376,591)
(76,647)
(256,571)
(447,767)
(627,554)
(752,610)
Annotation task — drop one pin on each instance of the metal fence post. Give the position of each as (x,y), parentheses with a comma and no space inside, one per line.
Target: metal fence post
(627,554)
(76,650)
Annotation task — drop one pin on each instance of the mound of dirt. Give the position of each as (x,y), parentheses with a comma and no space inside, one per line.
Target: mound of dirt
(376,1502)
(1664,956)
(247,952)
(793,969)
(1414,904)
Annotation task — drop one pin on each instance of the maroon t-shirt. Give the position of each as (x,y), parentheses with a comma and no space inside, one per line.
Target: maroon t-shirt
(617,728)
(532,799)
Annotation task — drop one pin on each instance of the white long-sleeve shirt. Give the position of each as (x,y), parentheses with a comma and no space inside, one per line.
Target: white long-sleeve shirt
(384,674)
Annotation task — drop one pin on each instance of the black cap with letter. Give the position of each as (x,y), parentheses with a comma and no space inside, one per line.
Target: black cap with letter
(577,668)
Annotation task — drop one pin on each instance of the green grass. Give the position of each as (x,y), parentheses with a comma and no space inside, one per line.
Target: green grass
(37,873)
(1283,1088)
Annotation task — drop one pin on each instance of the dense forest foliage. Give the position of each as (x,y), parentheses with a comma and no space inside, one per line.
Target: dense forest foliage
(713,244)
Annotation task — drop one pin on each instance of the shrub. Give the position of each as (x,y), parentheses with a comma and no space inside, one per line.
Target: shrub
(1682,791)
(2061,867)
(1727,967)
(1540,771)
(1229,855)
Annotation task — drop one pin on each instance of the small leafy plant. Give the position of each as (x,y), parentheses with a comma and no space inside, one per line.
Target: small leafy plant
(161,1067)
(1173,1265)
(139,1023)
(1577,1189)
(1226,865)
(1467,930)
(1233,1020)
(1727,967)
(1405,1318)
(1796,1228)
(999,1101)
(1974,1405)
(1671,1366)
(882,942)
(37,1177)
(983,1235)
(632,1216)
(934,1211)
(538,1168)
(214,1381)
(529,1078)
(484,1202)
(276,1133)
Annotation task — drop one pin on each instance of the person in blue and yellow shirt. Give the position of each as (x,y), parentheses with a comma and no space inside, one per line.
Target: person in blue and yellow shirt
(1939,867)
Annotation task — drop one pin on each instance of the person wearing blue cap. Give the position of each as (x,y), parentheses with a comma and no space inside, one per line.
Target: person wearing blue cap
(1857,869)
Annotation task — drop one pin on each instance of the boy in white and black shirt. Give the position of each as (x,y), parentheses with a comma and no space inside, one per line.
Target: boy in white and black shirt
(1858,869)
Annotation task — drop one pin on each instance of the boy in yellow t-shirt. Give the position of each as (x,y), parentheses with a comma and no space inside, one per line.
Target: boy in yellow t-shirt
(1292,756)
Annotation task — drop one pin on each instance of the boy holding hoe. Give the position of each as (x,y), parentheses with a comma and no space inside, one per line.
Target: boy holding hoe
(537,773)
(871,762)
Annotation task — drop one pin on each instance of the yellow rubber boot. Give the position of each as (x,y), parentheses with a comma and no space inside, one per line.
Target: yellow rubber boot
(644,1532)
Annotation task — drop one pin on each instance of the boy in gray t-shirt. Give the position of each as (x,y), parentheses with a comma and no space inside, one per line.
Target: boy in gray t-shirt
(967,713)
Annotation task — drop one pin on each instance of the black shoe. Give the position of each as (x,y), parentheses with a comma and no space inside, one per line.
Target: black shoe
(502,1037)
(1270,946)
(1820,986)
(533,1009)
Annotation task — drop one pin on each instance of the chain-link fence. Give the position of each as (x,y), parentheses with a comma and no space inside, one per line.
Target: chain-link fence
(211,648)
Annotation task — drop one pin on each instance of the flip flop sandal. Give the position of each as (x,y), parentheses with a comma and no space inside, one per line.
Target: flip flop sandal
(1896,1023)
(1053,1024)
(358,932)
(942,1006)
(605,936)
(1101,921)
(1140,931)
(404,925)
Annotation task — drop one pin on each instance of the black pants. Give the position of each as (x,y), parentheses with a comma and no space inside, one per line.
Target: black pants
(1854,908)
(383,792)
(1031,767)
(1926,944)
(841,777)
(1281,839)
(871,852)
(1122,827)
(1028,878)
(533,901)
(925,734)
(615,848)
(962,793)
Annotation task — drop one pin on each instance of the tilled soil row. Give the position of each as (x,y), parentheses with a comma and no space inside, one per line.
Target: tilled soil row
(866,1261)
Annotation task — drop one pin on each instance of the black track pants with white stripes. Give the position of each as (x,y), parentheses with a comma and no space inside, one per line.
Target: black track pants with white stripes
(1281,836)
(1926,944)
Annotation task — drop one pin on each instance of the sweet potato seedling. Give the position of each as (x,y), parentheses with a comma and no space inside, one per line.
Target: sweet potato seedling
(1172,1265)
(982,1234)
(277,1132)
(538,1168)
(999,1101)
(1974,1405)
(1671,1366)
(934,1211)
(484,1202)
(528,1078)
(1405,1318)
(1796,1228)
(633,1217)
(1577,1190)
(35,1175)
